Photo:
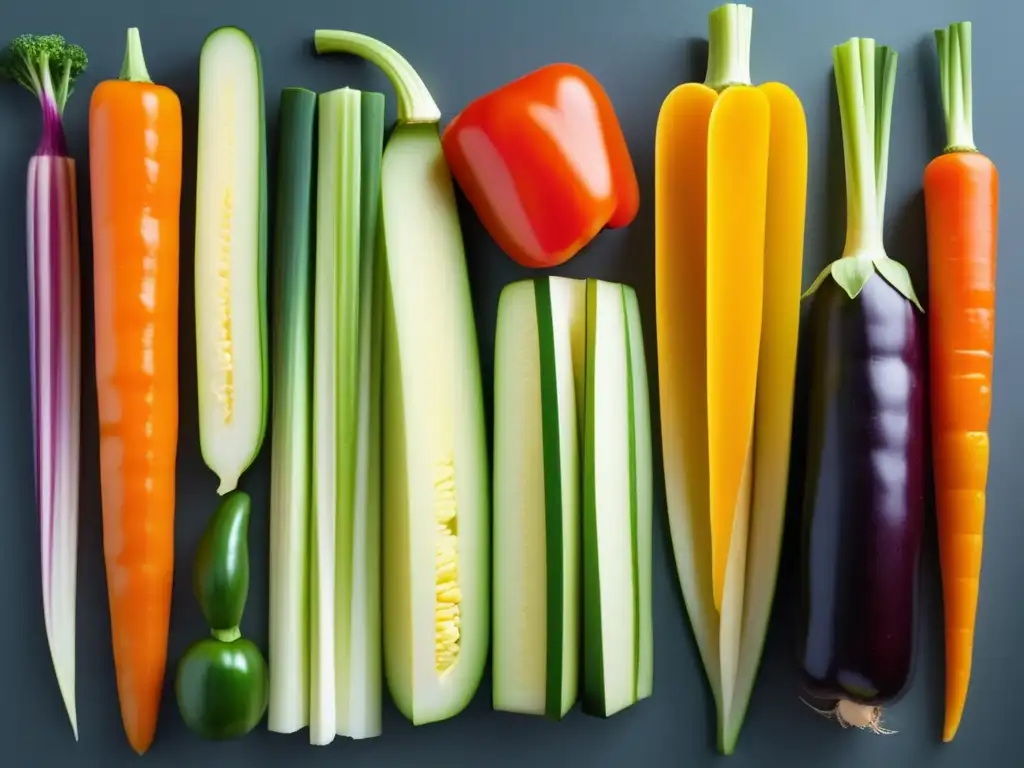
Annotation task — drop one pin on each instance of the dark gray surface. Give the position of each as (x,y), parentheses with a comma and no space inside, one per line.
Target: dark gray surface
(639,51)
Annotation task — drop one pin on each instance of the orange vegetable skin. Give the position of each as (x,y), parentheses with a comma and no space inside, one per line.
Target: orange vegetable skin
(135,133)
(961,193)
(680,213)
(737,193)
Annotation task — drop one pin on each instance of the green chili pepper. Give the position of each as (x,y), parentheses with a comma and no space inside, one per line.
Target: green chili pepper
(222,683)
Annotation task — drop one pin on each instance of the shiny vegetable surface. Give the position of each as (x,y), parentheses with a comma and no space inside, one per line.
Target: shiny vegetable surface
(961,196)
(135,140)
(222,681)
(864,489)
(544,164)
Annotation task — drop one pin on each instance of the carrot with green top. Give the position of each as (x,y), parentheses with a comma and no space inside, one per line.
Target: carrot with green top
(961,193)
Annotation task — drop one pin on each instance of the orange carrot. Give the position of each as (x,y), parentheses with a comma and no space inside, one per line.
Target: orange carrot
(961,191)
(135,146)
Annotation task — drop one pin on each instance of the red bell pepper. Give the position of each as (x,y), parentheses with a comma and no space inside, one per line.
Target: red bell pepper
(544,164)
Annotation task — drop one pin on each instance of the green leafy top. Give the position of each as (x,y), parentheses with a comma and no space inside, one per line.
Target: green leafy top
(415,104)
(865,82)
(47,65)
(729,28)
(954,46)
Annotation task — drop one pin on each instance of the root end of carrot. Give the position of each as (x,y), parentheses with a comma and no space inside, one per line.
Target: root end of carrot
(140,744)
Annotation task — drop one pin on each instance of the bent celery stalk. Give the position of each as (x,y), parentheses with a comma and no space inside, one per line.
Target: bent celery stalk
(435,523)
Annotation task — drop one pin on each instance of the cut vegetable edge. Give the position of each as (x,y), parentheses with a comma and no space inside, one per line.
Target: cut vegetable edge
(230,264)
(435,452)
(611,616)
(536,499)
(288,706)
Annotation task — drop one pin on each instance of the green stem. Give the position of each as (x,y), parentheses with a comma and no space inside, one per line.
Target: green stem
(415,104)
(133,68)
(954,47)
(46,82)
(729,28)
(226,635)
(885,87)
(865,108)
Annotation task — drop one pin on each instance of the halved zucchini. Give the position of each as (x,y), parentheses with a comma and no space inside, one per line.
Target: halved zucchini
(230,255)
(436,534)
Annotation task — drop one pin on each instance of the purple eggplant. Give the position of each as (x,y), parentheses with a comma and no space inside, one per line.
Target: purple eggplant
(863,498)
(864,494)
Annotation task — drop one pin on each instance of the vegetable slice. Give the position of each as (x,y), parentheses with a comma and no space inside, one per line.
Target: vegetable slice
(436,526)
(290,477)
(231,232)
(643,491)
(538,350)
(47,66)
(617,641)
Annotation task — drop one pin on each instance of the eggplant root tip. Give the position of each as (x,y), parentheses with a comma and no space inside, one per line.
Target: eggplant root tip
(848,713)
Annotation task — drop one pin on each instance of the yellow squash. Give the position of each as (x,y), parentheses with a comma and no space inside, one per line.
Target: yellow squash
(730,189)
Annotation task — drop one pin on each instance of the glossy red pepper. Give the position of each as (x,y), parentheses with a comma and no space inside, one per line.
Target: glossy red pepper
(544,164)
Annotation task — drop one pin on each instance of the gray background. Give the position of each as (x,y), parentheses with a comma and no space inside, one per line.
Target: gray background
(639,51)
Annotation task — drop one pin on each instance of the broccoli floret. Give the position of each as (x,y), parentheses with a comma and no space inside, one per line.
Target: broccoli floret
(46,65)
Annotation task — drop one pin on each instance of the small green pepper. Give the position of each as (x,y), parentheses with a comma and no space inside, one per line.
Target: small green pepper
(222,683)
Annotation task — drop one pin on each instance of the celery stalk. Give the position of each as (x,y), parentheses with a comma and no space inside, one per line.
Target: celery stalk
(357,628)
(345,563)
(290,478)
